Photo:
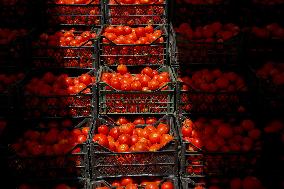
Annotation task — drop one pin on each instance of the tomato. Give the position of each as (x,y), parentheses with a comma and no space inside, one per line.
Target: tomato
(122,69)
(140,32)
(86,35)
(126,181)
(132,37)
(141,147)
(163,79)
(155,137)
(119,30)
(150,129)
(151,186)
(101,139)
(166,138)
(86,79)
(134,139)
(136,86)
(124,139)
(115,183)
(186,131)
(110,29)
(68,34)
(123,148)
(139,121)
(155,147)
(151,120)
(127,30)
(85,130)
(149,29)
(163,128)
(144,80)
(110,36)
(144,40)
(115,83)
(121,120)
(76,132)
(153,85)
(81,139)
(167,185)
(103,129)
(132,186)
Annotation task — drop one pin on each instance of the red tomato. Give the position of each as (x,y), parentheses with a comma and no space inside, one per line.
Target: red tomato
(186,131)
(76,132)
(151,120)
(136,86)
(103,129)
(139,121)
(141,147)
(115,183)
(140,32)
(126,181)
(124,139)
(121,120)
(122,69)
(145,80)
(134,139)
(127,30)
(163,79)
(86,79)
(152,186)
(155,137)
(85,130)
(101,139)
(167,185)
(149,29)
(110,29)
(110,36)
(166,138)
(114,133)
(163,128)
(132,37)
(153,85)
(150,129)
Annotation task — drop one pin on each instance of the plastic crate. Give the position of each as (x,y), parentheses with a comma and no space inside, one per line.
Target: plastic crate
(192,183)
(73,164)
(197,101)
(83,56)
(197,162)
(75,15)
(112,54)
(14,53)
(227,52)
(74,105)
(106,182)
(136,14)
(105,163)
(77,183)
(112,101)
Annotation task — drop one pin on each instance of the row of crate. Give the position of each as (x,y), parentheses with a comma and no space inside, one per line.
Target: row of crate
(38,98)
(90,159)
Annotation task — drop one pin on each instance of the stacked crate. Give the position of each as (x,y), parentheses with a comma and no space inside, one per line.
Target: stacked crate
(220,136)
(57,97)
(122,106)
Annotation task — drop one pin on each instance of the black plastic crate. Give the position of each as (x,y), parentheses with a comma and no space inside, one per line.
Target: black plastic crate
(198,162)
(198,101)
(227,52)
(193,183)
(83,56)
(155,53)
(105,163)
(113,101)
(70,164)
(106,182)
(75,15)
(81,104)
(136,14)
(14,47)
(78,183)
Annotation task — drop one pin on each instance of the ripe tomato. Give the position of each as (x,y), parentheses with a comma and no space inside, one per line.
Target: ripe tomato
(141,147)
(134,139)
(136,86)
(163,128)
(153,85)
(101,139)
(126,181)
(121,120)
(144,80)
(122,69)
(186,131)
(86,79)
(140,32)
(149,29)
(114,133)
(151,120)
(110,36)
(127,30)
(85,130)
(155,137)
(110,29)
(124,139)
(152,186)
(155,147)
(167,185)
(115,183)
(139,121)
(150,129)
(103,129)
(166,138)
